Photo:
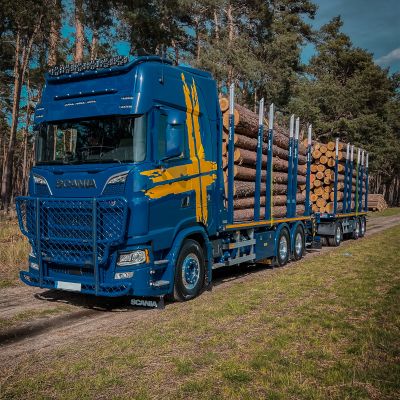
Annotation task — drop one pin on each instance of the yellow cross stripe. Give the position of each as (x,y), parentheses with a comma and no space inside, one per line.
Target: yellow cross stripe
(197,164)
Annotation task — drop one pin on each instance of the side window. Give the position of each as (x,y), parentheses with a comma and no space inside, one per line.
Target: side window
(172,140)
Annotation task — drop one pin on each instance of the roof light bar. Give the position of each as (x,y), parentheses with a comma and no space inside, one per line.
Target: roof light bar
(100,63)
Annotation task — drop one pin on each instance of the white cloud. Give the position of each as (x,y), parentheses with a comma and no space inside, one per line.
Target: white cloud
(389,58)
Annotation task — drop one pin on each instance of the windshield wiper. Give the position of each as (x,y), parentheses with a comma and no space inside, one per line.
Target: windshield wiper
(101,161)
(54,162)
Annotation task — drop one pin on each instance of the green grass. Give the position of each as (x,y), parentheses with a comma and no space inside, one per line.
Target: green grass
(328,327)
(14,249)
(389,212)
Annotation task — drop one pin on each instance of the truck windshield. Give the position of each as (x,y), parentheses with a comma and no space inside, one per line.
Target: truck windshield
(97,140)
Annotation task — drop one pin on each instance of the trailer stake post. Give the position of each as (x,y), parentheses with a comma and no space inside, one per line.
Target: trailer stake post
(230,151)
(269,188)
(307,211)
(290,167)
(259,160)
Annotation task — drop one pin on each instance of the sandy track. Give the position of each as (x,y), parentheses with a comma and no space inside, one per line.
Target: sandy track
(90,316)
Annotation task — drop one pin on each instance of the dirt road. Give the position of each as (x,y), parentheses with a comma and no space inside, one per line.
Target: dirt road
(43,320)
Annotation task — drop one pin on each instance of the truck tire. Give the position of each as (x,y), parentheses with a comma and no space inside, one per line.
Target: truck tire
(363,226)
(356,230)
(336,239)
(189,271)
(299,243)
(282,250)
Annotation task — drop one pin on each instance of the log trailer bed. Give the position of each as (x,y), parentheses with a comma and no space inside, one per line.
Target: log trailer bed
(131,194)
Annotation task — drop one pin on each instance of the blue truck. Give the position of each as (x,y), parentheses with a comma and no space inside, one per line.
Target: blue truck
(127,195)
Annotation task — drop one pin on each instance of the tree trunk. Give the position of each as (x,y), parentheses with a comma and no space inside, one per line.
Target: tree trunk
(278,200)
(277,212)
(22,57)
(247,189)
(94,44)
(54,39)
(79,32)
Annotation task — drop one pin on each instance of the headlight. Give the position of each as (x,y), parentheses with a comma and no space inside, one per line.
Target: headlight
(39,180)
(133,257)
(123,275)
(121,178)
(34,266)
(32,253)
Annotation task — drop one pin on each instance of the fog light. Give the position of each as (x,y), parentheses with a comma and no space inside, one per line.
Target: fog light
(133,257)
(34,266)
(123,275)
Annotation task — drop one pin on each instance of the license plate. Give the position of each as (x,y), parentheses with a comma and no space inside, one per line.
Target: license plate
(72,286)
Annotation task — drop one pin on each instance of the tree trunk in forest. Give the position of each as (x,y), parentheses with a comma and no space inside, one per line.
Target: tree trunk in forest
(79,32)
(94,44)
(22,57)
(54,39)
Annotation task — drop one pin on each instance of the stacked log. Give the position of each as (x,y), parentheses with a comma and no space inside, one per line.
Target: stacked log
(245,158)
(322,178)
(376,202)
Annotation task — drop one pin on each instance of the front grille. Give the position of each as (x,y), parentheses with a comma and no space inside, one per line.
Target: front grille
(73,232)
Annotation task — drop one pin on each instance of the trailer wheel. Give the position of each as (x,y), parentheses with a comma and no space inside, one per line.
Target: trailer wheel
(356,231)
(363,226)
(189,271)
(282,254)
(336,239)
(299,243)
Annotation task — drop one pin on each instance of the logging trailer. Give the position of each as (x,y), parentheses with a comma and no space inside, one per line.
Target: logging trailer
(128,196)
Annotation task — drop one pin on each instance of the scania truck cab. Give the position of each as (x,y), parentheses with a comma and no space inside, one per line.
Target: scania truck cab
(125,192)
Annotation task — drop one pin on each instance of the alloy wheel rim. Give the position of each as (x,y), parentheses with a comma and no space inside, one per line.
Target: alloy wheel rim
(190,271)
(299,243)
(283,248)
(338,234)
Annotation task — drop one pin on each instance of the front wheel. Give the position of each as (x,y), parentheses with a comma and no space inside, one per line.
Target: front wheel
(189,272)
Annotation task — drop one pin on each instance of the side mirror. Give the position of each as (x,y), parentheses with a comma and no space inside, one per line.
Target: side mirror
(174,135)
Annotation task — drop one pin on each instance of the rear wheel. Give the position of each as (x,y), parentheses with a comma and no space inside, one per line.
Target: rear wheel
(356,230)
(299,243)
(363,226)
(189,271)
(283,246)
(336,239)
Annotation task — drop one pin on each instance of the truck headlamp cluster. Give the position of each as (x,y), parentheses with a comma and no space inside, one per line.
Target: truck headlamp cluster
(132,258)
(100,63)
(39,180)
(121,178)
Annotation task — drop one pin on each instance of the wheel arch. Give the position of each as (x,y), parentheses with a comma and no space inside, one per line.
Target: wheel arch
(279,229)
(199,234)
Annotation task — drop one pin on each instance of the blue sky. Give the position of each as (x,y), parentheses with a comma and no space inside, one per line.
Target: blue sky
(373,25)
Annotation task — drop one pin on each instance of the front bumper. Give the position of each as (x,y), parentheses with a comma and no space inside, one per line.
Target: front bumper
(108,290)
